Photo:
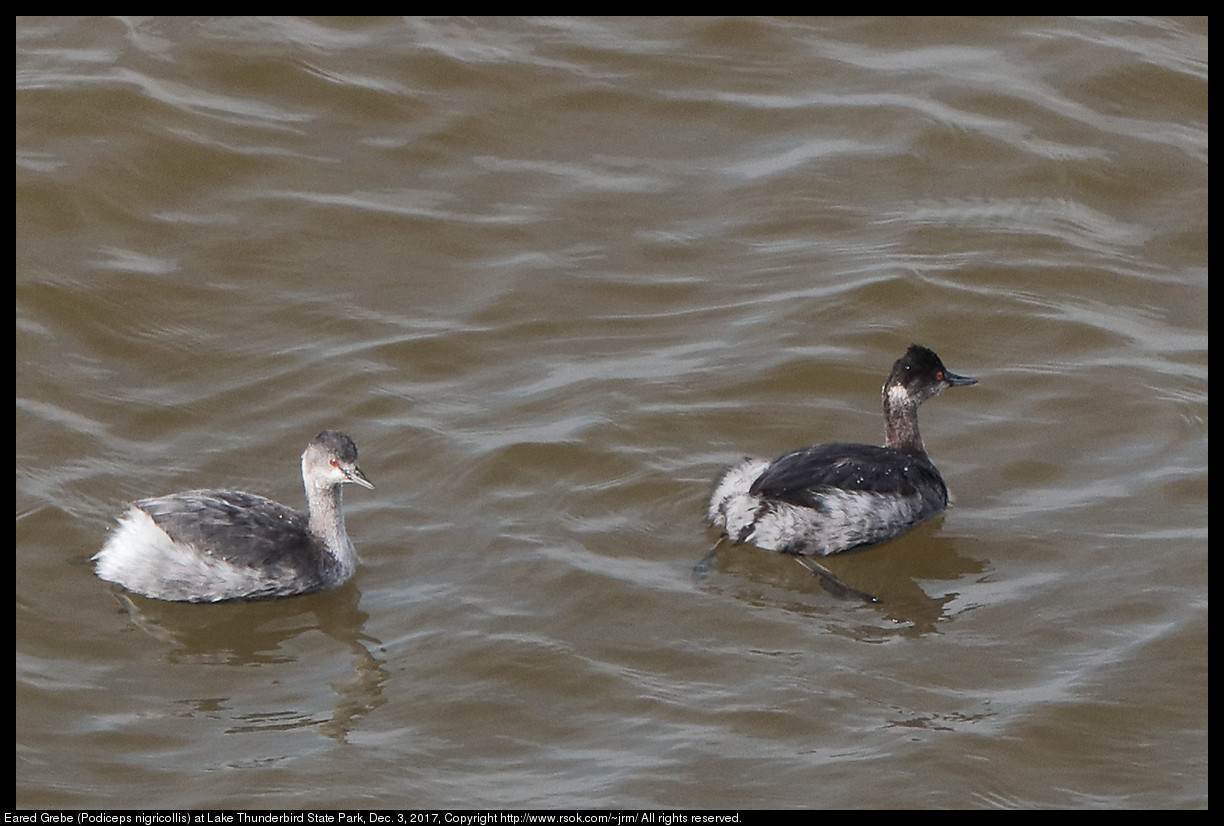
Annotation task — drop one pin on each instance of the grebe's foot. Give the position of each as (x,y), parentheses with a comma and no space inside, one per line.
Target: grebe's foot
(830,582)
(703,567)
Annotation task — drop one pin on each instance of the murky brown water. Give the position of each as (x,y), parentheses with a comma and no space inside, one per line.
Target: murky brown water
(552,275)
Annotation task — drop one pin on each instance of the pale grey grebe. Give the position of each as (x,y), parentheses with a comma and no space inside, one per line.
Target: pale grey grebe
(213,545)
(832,498)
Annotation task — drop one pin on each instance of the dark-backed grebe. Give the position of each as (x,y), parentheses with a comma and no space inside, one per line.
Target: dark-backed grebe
(832,498)
(213,545)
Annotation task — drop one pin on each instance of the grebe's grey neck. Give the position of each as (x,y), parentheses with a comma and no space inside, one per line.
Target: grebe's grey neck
(330,461)
(901,421)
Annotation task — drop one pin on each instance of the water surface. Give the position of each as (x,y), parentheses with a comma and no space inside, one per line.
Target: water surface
(552,275)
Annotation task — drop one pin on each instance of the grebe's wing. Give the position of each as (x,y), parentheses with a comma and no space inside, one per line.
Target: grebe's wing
(242,529)
(802,476)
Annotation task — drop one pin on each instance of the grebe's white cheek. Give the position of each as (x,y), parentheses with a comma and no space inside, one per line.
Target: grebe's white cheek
(897,394)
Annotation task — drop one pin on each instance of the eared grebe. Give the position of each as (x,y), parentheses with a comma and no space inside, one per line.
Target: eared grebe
(832,498)
(213,545)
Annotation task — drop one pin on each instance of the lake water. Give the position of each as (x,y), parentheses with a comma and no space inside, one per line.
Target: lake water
(552,275)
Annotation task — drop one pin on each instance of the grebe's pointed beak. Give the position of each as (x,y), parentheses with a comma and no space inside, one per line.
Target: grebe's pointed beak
(357,477)
(957,381)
